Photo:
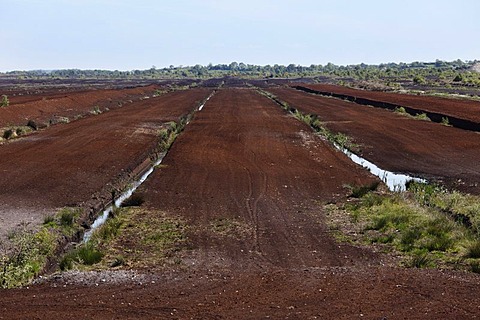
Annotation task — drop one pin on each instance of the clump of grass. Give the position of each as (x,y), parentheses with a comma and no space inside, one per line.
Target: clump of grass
(85,254)
(32,124)
(4,102)
(475,266)
(400,110)
(49,220)
(110,229)
(14,132)
(473,249)
(359,191)
(445,121)
(9,134)
(67,218)
(96,110)
(422,116)
(420,260)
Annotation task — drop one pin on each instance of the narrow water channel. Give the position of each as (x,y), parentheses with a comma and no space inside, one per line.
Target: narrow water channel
(125,195)
(395,181)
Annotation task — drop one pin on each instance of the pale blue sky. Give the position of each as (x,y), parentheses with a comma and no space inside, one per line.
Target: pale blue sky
(127,35)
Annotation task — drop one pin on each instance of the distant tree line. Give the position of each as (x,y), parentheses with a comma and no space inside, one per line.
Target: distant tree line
(419,72)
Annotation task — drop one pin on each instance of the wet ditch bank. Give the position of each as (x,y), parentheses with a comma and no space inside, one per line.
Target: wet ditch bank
(433,116)
(394,181)
(168,136)
(38,252)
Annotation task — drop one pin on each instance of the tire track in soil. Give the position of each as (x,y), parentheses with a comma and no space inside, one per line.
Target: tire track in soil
(233,162)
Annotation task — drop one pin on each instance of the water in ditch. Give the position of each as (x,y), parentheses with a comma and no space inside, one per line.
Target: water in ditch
(125,195)
(394,181)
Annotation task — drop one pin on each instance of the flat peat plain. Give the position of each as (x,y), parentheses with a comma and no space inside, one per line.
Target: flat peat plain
(246,164)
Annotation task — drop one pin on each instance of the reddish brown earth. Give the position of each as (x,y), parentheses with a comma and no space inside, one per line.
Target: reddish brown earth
(78,163)
(464,109)
(242,159)
(53,103)
(396,142)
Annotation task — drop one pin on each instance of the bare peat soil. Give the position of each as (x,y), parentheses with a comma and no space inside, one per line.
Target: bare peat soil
(463,109)
(50,104)
(74,164)
(243,160)
(397,142)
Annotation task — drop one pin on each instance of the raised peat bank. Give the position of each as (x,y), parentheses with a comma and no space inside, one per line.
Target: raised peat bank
(251,182)
(53,106)
(463,114)
(398,143)
(134,186)
(78,164)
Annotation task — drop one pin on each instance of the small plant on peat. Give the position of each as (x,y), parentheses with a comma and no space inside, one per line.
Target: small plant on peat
(420,260)
(4,102)
(9,134)
(362,190)
(400,110)
(96,110)
(422,116)
(473,250)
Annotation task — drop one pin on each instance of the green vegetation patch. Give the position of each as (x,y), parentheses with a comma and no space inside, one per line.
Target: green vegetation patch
(27,256)
(27,252)
(228,227)
(419,116)
(132,238)
(422,225)
(65,221)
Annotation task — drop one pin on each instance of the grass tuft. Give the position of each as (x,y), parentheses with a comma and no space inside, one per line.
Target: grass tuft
(420,260)
(85,254)
(473,249)
(362,190)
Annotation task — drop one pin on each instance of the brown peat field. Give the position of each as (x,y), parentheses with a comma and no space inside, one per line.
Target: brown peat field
(251,214)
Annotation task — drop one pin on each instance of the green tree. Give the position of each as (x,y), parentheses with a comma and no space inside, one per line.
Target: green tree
(418,79)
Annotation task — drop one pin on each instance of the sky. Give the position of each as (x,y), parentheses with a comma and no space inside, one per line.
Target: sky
(128,35)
